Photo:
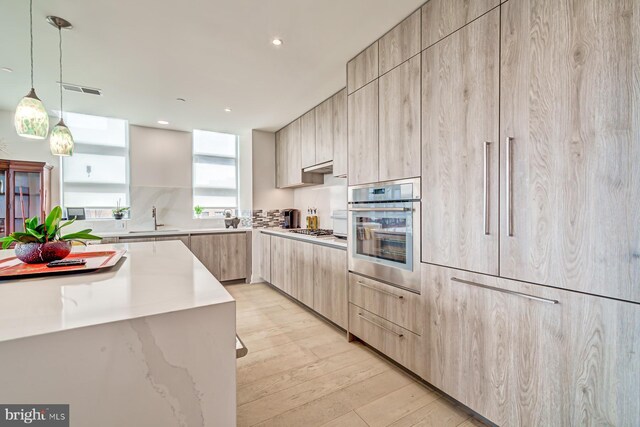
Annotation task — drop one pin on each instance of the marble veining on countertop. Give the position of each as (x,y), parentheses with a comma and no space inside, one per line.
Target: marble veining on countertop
(152,278)
(322,240)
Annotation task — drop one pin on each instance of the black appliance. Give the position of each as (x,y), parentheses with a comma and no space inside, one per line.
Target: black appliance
(291,218)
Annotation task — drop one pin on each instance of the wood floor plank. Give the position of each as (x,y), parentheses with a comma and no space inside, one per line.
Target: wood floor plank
(350,419)
(390,408)
(439,413)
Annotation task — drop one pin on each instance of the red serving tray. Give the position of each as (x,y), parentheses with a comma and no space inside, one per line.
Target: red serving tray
(14,268)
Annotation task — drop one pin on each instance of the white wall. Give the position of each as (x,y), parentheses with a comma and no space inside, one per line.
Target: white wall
(17,148)
(330,196)
(265,194)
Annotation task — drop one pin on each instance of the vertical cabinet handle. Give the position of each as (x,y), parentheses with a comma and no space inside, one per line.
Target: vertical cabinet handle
(509,188)
(487,178)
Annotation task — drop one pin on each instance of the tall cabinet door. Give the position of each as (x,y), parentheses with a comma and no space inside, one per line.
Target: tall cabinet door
(460,82)
(339,122)
(570,205)
(363,134)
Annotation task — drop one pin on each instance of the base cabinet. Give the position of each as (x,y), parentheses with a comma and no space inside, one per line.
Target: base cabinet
(522,354)
(330,284)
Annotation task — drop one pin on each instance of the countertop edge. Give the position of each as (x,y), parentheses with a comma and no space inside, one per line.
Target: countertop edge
(303,238)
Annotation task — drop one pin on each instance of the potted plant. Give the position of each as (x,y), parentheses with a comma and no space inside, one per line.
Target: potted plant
(198,210)
(41,243)
(119,211)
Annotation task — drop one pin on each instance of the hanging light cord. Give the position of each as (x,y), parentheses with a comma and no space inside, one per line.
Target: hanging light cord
(60,36)
(31,35)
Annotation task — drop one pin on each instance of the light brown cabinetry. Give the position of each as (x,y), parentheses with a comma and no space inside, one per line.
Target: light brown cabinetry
(277,262)
(289,158)
(460,146)
(206,247)
(265,257)
(443,17)
(399,122)
(304,272)
(324,132)
(363,68)
(400,44)
(570,187)
(363,135)
(522,354)
(339,127)
(389,302)
(233,259)
(183,239)
(308,138)
(330,283)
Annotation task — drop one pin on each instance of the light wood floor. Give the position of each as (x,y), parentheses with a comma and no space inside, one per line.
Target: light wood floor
(301,371)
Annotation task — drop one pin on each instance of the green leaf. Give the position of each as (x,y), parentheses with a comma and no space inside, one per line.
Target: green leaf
(7,241)
(32,223)
(53,219)
(84,234)
(35,234)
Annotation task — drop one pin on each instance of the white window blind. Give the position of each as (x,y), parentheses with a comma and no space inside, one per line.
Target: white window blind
(215,171)
(96,177)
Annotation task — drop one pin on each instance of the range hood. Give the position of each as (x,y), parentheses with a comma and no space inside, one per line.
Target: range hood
(322,168)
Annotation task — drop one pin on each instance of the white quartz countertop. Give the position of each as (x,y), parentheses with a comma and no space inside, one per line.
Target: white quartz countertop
(152,278)
(326,241)
(171,232)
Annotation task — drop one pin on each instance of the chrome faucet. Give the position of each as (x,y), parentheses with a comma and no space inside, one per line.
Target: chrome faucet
(154,214)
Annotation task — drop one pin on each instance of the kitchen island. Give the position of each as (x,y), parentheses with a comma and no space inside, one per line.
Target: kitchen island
(150,341)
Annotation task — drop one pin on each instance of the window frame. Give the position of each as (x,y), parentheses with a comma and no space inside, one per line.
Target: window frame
(127,157)
(215,211)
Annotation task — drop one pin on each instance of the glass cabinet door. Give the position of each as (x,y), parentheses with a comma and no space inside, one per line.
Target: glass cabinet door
(26,197)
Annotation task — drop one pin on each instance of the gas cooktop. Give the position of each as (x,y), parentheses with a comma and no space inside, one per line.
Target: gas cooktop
(316,233)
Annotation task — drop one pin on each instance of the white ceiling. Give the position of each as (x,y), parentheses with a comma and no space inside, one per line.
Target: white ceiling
(144,54)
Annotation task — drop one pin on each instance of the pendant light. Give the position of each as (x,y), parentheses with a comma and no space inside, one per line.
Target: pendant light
(61,140)
(31,119)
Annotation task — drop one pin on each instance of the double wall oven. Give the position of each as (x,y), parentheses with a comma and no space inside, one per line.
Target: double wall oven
(384,232)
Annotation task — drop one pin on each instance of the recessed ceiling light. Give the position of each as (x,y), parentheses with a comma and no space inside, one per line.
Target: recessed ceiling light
(181,99)
(163,122)
(228,110)
(277,42)
(6,69)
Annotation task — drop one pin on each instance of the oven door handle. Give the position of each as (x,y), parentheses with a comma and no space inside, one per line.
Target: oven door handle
(380,209)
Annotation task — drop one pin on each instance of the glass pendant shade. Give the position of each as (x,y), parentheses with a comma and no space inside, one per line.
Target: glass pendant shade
(61,140)
(31,119)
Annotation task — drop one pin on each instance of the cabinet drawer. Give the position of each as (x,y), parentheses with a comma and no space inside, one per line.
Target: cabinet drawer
(398,343)
(393,304)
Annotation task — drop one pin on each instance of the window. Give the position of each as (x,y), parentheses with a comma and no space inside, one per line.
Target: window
(96,177)
(215,172)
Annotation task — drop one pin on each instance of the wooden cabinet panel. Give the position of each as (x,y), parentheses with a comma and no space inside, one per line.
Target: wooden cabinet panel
(265,257)
(281,161)
(399,142)
(400,44)
(277,262)
(233,256)
(330,284)
(308,139)
(109,240)
(304,271)
(460,96)
(289,158)
(569,103)
(363,135)
(515,357)
(290,284)
(443,17)
(324,131)
(339,122)
(398,343)
(135,239)
(363,68)
(206,247)
(389,302)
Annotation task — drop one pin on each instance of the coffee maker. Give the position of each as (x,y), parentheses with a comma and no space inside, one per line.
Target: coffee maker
(291,218)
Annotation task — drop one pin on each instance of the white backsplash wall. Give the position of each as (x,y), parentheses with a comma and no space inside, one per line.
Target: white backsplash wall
(330,196)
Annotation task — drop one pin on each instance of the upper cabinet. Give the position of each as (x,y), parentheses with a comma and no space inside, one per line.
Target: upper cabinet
(363,135)
(363,68)
(443,17)
(289,158)
(308,139)
(399,122)
(570,133)
(400,44)
(460,83)
(339,122)
(323,149)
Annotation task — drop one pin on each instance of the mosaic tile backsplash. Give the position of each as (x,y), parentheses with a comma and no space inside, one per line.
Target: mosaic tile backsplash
(267,219)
